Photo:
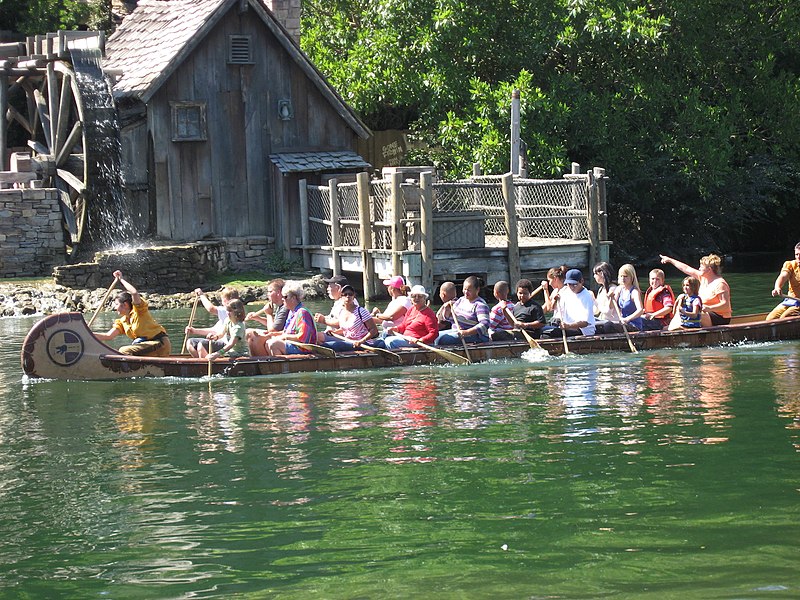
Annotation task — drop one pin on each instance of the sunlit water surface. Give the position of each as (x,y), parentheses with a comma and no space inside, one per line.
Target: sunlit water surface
(664,474)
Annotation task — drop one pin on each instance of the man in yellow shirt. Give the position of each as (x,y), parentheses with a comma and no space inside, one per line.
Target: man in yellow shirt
(790,307)
(149,338)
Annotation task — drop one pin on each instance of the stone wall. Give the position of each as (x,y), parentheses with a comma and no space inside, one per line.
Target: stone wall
(31,233)
(165,269)
(248,253)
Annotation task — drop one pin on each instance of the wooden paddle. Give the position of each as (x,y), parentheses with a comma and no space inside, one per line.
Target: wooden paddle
(316,349)
(191,322)
(450,357)
(384,351)
(531,341)
(458,328)
(103,302)
(625,329)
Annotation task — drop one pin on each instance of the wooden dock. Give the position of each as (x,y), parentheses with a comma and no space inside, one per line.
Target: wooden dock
(497,227)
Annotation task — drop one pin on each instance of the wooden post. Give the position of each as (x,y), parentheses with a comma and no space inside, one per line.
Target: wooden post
(476,169)
(514,272)
(336,228)
(576,196)
(398,212)
(365,235)
(426,228)
(3,121)
(515,128)
(594,221)
(600,182)
(305,226)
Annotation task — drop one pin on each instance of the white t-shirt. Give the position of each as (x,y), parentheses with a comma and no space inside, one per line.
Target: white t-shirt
(394,305)
(578,307)
(219,326)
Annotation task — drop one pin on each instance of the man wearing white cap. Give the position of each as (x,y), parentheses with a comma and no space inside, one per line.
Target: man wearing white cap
(420,324)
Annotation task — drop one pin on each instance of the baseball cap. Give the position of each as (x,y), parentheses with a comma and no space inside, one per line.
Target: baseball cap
(574,276)
(396,282)
(337,279)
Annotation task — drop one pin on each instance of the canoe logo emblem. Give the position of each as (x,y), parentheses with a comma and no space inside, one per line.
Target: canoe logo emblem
(64,347)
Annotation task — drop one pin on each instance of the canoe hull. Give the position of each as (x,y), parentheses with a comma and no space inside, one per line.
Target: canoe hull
(61,346)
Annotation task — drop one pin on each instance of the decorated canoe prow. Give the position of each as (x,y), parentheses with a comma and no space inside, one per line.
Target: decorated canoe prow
(61,346)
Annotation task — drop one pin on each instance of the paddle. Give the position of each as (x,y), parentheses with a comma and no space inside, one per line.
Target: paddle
(191,322)
(458,328)
(450,357)
(531,341)
(383,351)
(103,302)
(625,329)
(316,349)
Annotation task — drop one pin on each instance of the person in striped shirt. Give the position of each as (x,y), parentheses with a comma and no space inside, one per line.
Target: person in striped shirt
(472,316)
(500,329)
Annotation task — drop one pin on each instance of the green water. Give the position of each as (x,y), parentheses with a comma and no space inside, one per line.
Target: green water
(664,474)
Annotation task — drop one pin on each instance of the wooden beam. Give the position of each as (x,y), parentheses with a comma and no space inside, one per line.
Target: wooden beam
(13,113)
(44,118)
(336,228)
(3,120)
(365,235)
(398,213)
(509,197)
(52,92)
(305,224)
(72,139)
(63,111)
(73,182)
(426,228)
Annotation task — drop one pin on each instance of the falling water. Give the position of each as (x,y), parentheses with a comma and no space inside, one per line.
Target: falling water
(109,217)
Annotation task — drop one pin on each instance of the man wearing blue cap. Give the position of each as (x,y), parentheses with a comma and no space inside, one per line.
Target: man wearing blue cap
(577,308)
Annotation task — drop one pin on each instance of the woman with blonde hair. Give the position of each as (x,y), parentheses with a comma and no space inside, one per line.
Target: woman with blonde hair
(714,290)
(628,297)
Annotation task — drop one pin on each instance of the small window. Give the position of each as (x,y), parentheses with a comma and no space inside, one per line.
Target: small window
(188,121)
(240,50)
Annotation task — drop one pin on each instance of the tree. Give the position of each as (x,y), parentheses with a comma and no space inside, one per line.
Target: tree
(692,107)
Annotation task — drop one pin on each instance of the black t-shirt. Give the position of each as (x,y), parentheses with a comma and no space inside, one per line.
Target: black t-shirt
(530,312)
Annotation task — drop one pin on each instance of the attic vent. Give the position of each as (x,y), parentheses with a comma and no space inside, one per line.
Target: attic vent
(240,50)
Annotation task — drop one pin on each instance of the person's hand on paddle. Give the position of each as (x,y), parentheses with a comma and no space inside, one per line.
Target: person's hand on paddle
(212,356)
(777,292)
(189,330)
(212,336)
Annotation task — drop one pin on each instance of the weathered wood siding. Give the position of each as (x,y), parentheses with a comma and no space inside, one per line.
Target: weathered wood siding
(224,186)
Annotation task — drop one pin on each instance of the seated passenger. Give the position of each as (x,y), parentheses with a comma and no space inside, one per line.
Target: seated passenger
(714,290)
(299,325)
(628,297)
(273,316)
(554,282)
(331,320)
(356,325)
(192,344)
(420,324)
(688,306)
(447,293)
(397,308)
(604,311)
(658,302)
(234,342)
(527,312)
(499,325)
(472,316)
(576,306)
(790,272)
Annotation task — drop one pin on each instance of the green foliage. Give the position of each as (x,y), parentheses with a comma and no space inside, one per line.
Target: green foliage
(693,108)
(32,17)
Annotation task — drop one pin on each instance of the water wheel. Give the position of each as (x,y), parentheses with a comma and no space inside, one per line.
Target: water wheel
(74,135)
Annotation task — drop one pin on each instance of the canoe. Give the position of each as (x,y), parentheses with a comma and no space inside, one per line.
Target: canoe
(61,346)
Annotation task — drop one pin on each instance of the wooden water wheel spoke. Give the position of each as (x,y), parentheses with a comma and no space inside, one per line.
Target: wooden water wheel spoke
(62,122)
(52,99)
(63,152)
(71,180)
(44,116)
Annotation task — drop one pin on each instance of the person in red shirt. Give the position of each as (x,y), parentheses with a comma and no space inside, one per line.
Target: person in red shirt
(420,325)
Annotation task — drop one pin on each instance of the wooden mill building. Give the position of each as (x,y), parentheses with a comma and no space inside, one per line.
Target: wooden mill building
(222,115)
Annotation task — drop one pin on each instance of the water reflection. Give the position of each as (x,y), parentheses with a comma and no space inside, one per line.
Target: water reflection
(786,382)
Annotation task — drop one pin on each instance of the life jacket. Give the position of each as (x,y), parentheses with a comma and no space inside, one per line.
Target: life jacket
(653,304)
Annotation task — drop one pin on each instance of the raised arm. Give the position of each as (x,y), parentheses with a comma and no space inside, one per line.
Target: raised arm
(683,267)
(779,283)
(135,297)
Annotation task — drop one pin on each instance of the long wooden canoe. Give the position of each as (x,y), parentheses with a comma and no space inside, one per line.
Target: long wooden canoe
(61,346)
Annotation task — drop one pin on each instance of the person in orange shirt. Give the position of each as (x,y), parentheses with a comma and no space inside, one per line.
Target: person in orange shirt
(790,273)
(714,290)
(149,338)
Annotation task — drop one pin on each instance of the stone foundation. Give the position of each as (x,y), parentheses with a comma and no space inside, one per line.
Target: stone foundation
(248,253)
(166,269)
(31,234)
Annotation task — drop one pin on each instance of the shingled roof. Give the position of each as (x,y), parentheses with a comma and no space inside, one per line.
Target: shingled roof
(304,162)
(159,34)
